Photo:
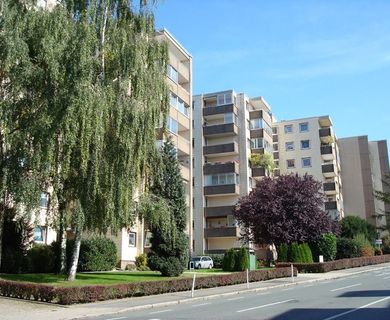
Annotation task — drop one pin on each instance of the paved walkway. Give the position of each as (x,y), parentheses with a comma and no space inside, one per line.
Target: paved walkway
(12,309)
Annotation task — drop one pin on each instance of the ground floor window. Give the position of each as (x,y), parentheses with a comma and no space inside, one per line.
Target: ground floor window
(132,239)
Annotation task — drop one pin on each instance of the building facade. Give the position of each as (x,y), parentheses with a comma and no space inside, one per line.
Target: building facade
(227,128)
(364,166)
(309,146)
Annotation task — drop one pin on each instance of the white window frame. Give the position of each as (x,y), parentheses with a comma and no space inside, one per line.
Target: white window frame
(132,239)
(224,98)
(257,143)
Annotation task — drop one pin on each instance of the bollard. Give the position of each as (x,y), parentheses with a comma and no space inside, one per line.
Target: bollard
(292,273)
(193,286)
(247,278)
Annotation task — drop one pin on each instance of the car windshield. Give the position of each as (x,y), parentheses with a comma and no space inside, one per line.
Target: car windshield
(196,259)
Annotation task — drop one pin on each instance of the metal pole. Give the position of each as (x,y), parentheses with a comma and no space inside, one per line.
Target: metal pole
(247,278)
(292,273)
(193,285)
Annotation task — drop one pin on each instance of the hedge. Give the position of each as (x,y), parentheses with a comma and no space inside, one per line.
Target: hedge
(337,264)
(85,294)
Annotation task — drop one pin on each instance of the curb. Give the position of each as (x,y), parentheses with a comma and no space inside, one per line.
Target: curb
(226,294)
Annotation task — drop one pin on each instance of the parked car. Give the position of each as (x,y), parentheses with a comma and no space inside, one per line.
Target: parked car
(202,262)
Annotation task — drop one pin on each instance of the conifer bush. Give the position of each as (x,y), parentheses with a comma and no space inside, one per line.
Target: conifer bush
(283,252)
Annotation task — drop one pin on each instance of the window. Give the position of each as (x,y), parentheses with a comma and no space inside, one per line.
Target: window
(148,236)
(224,98)
(133,239)
(228,117)
(221,179)
(304,127)
(172,73)
(172,125)
(276,147)
(44,200)
(290,163)
(306,162)
(289,146)
(256,124)
(288,128)
(274,130)
(39,234)
(178,104)
(257,143)
(173,100)
(305,144)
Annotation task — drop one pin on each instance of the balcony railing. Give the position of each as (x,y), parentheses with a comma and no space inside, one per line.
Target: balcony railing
(220,130)
(258,172)
(225,149)
(328,170)
(221,232)
(210,111)
(215,168)
(325,132)
(331,205)
(217,212)
(225,189)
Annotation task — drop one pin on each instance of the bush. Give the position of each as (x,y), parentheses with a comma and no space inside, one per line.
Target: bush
(217,259)
(241,259)
(347,248)
(283,252)
(386,244)
(40,259)
(85,294)
(366,248)
(97,254)
(295,254)
(169,266)
(141,262)
(378,252)
(326,246)
(307,255)
(228,263)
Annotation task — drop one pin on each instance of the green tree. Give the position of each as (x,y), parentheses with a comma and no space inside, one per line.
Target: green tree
(352,225)
(385,197)
(167,220)
(92,75)
(264,161)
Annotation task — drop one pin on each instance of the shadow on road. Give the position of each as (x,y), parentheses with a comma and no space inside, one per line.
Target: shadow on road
(366,293)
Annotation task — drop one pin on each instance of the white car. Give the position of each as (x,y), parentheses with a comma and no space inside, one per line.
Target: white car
(202,262)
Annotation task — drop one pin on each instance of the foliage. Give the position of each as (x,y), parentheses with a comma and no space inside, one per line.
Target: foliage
(385,197)
(366,248)
(241,259)
(352,225)
(229,260)
(40,259)
(347,248)
(326,246)
(84,294)
(283,210)
(295,254)
(97,254)
(337,264)
(307,254)
(283,252)
(165,213)
(262,160)
(386,244)
(141,261)
(217,259)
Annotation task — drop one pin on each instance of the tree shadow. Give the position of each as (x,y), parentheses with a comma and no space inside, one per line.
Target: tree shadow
(366,293)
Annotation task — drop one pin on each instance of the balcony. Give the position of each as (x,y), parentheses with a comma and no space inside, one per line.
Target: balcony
(275,138)
(215,168)
(258,172)
(221,190)
(327,152)
(185,172)
(221,232)
(331,205)
(218,110)
(330,188)
(328,170)
(257,133)
(220,130)
(226,149)
(218,212)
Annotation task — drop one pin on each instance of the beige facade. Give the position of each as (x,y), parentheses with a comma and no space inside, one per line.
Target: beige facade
(309,146)
(227,127)
(365,164)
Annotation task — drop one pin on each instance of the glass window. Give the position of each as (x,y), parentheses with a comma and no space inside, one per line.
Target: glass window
(172,125)
(173,100)
(132,239)
(228,117)
(182,107)
(288,128)
(230,178)
(172,73)
(304,127)
(257,143)
(289,146)
(290,163)
(44,200)
(306,162)
(256,124)
(39,233)
(148,237)
(305,144)
(224,98)
(220,179)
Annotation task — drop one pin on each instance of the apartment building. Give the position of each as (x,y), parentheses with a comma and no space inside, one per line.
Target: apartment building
(364,166)
(309,146)
(227,128)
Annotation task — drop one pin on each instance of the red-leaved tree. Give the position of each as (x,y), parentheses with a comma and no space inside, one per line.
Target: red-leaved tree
(283,210)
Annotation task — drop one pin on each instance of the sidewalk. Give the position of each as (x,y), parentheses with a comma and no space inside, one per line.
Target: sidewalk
(12,309)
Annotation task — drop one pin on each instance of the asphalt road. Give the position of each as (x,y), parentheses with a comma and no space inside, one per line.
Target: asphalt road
(360,297)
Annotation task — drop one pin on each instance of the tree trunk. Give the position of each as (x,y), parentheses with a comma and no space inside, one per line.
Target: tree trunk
(75,255)
(2,213)
(61,238)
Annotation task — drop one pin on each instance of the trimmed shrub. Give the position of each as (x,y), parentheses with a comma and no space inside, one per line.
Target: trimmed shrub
(283,252)
(326,246)
(366,248)
(386,244)
(85,294)
(97,254)
(308,257)
(229,260)
(40,259)
(169,266)
(217,259)
(347,248)
(295,255)
(241,259)
(141,261)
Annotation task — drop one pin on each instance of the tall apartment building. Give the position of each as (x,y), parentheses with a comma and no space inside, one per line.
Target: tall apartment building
(309,145)
(227,128)
(364,166)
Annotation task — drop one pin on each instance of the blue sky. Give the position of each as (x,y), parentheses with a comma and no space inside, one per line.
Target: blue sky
(306,58)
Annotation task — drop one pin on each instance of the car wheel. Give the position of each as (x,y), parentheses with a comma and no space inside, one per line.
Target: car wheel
(210,266)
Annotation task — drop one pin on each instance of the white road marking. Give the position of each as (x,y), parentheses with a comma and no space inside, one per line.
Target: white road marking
(161,311)
(356,309)
(265,305)
(385,278)
(263,293)
(382,274)
(201,304)
(287,289)
(116,318)
(232,299)
(308,285)
(342,288)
